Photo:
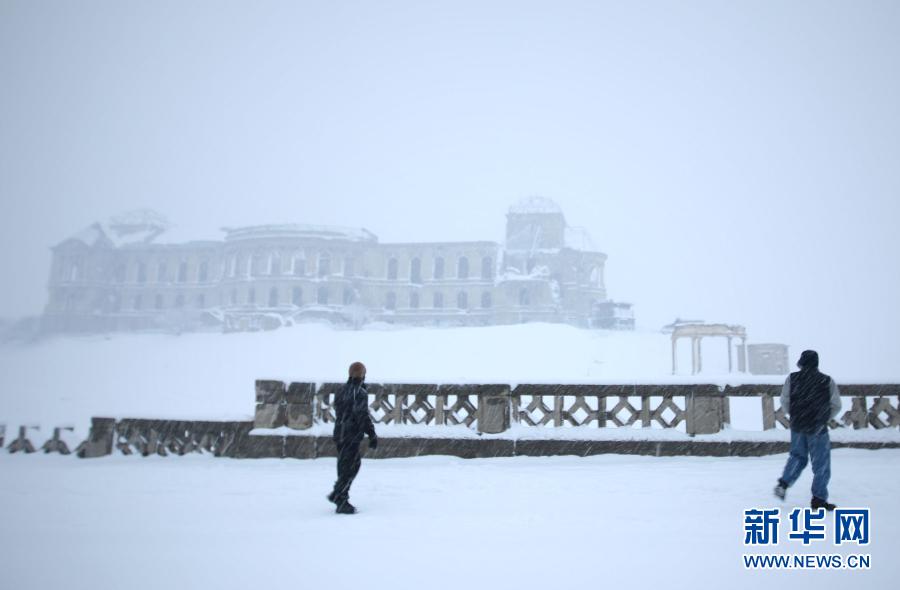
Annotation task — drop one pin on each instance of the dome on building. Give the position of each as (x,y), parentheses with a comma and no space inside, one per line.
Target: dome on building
(535,205)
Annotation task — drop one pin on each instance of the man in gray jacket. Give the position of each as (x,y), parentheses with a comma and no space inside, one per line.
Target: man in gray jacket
(810,399)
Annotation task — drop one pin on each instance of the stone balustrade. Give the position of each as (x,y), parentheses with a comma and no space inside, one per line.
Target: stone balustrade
(491,409)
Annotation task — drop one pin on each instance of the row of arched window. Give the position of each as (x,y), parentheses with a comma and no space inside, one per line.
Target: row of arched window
(160,272)
(271,265)
(158,302)
(262,265)
(322,297)
(438,268)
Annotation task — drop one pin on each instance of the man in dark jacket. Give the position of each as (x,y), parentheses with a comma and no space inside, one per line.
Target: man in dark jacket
(810,399)
(352,420)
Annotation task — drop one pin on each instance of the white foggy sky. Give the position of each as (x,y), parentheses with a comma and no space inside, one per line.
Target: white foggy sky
(737,161)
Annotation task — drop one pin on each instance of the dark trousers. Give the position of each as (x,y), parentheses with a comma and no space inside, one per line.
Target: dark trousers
(348,462)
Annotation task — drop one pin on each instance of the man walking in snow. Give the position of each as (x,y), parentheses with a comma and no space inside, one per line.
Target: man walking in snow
(352,420)
(810,399)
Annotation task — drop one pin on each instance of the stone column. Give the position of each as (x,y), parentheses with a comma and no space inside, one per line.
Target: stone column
(270,404)
(699,354)
(493,408)
(694,352)
(729,354)
(674,355)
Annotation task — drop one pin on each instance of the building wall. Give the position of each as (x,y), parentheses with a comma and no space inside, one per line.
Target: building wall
(254,274)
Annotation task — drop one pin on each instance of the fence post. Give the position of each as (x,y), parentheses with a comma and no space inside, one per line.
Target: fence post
(100,439)
(493,408)
(705,413)
(768,411)
(270,410)
(299,405)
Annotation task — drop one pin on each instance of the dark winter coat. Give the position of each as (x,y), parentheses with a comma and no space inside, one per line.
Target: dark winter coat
(812,399)
(351,408)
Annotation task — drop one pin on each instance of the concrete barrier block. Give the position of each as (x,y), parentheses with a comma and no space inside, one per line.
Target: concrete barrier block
(270,416)
(269,392)
(100,439)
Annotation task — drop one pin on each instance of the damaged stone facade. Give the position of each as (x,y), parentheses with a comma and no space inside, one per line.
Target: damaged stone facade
(120,277)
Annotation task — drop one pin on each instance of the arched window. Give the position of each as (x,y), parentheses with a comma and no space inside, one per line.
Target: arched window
(273,297)
(297,296)
(596,277)
(179,301)
(251,296)
(487,268)
(161,273)
(324,265)
(138,302)
(348,267)
(524,298)
(415,271)
(119,273)
(438,300)
(348,296)
(275,264)
(182,271)
(390,301)
(141,272)
(299,266)
(439,267)
(256,265)
(462,268)
(203,272)
(486,300)
(392,269)
(233,298)
(158,301)
(322,295)
(201,301)
(232,265)
(462,300)
(414,300)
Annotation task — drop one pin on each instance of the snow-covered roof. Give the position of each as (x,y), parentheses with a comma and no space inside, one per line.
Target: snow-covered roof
(578,238)
(535,205)
(141,226)
(295,230)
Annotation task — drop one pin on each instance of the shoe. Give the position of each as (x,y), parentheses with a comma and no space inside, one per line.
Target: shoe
(331,498)
(820,503)
(780,489)
(345,508)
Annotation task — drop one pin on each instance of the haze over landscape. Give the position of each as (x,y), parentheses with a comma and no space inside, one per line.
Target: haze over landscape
(736,162)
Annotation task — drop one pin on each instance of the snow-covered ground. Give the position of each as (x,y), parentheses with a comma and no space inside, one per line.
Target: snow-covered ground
(428,522)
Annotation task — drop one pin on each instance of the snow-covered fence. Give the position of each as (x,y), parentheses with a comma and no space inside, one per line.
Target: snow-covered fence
(493,408)
(292,420)
(870,405)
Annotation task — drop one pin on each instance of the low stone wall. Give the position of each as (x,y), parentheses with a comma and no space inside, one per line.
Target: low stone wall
(234,439)
(481,408)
